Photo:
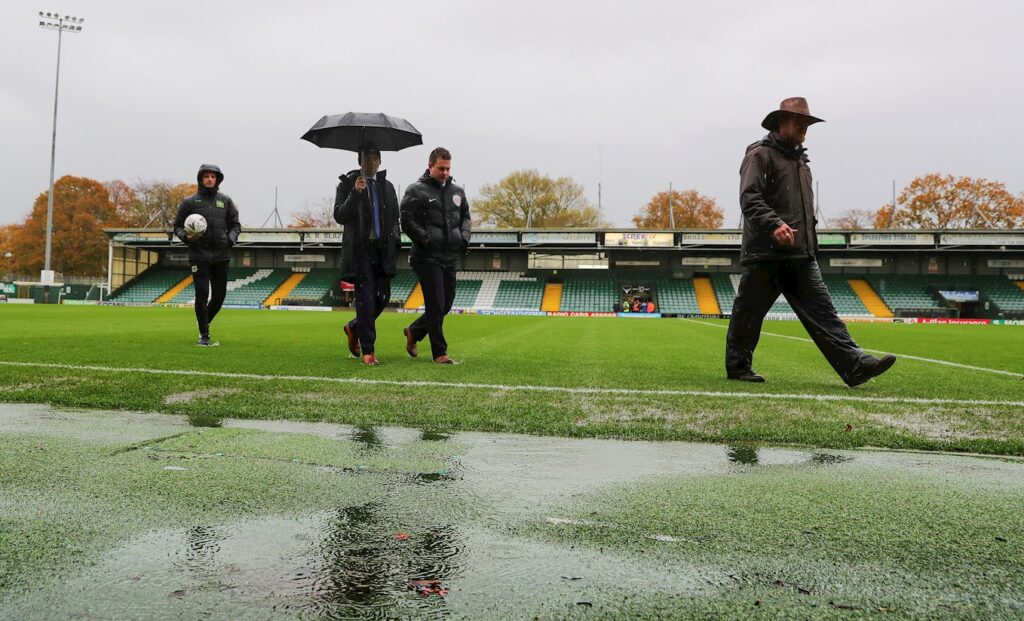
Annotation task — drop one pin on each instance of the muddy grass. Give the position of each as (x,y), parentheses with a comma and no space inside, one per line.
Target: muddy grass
(139,515)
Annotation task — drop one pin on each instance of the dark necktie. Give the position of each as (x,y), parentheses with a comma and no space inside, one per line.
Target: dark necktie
(375,200)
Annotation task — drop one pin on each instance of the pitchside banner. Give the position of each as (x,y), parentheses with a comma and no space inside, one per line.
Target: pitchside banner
(494,238)
(722,261)
(831,239)
(839,262)
(892,239)
(137,237)
(269,238)
(559,238)
(981,239)
(639,240)
(322,238)
(711,239)
(1004,263)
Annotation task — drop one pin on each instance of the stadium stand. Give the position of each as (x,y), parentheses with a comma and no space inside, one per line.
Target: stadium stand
(707,301)
(402,285)
(846,301)
(1007,295)
(552,300)
(247,286)
(313,288)
(725,290)
(255,288)
(905,294)
(676,296)
(466,291)
(504,290)
(148,286)
(589,293)
(524,294)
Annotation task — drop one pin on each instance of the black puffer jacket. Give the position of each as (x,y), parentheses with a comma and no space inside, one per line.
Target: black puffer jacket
(775,187)
(354,211)
(222,226)
(436,219)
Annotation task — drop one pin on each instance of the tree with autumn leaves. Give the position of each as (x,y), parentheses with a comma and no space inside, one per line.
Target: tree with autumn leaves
(690,210)
(936,201)
(526,198)
(82,208)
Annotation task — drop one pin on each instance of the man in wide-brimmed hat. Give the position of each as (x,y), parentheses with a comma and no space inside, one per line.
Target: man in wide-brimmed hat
(779,249)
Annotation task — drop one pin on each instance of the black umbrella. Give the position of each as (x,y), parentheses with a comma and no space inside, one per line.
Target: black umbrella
(351,130)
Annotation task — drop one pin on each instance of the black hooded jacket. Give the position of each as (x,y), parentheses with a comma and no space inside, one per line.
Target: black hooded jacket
(436,219)
(222,225)
(775,187)
(354,211)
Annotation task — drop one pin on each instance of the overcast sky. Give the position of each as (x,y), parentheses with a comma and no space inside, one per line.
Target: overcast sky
(632,94)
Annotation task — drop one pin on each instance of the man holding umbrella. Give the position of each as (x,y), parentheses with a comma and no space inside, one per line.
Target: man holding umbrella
(435,216)
(366,204)
(778,253)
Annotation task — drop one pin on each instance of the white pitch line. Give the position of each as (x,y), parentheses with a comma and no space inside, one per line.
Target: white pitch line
(947,363)
(525,388)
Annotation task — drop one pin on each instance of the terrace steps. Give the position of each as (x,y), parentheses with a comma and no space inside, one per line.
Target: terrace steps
(286,287)
(552,300)
(415,298)
(707,301)
(869,298)
(175,290)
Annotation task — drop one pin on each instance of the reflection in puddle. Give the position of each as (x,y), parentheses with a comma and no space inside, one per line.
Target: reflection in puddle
(204,420)
(366,567)
(826,459)
(742,454)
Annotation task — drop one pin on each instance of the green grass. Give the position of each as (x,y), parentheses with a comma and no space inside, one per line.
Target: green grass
(514,351)
(798,542)
(134,515)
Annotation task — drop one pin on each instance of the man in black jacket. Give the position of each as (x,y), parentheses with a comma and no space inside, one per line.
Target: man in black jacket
(209,252)
(367,206)
(778,253)
(435,216)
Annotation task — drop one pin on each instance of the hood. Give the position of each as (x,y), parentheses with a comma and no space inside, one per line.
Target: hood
(205,168)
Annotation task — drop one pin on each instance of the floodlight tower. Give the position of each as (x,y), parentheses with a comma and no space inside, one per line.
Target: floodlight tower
(62,24)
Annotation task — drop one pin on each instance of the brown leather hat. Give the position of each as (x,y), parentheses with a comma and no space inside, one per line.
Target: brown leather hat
(792,105)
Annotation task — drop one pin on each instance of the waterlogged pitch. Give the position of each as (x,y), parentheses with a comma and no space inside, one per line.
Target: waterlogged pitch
(142,516)
(274,477)
(955,387)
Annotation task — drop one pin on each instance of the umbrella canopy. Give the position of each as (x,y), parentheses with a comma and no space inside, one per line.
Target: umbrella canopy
(351,130)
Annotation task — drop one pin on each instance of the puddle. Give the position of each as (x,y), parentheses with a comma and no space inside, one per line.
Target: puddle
(453,542)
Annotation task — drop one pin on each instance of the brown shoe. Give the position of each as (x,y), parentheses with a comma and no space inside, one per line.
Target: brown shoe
(370,360)
(444,359)
(410,343)
(353,342)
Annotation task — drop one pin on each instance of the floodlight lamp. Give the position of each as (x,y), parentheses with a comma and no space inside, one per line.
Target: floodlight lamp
(40,13)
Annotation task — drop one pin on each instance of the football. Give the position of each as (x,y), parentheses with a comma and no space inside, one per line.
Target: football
(195,225)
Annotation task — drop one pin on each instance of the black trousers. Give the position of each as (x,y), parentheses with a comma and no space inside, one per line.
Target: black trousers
(438,284)
(800,282)
(373,291)
(211,282)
